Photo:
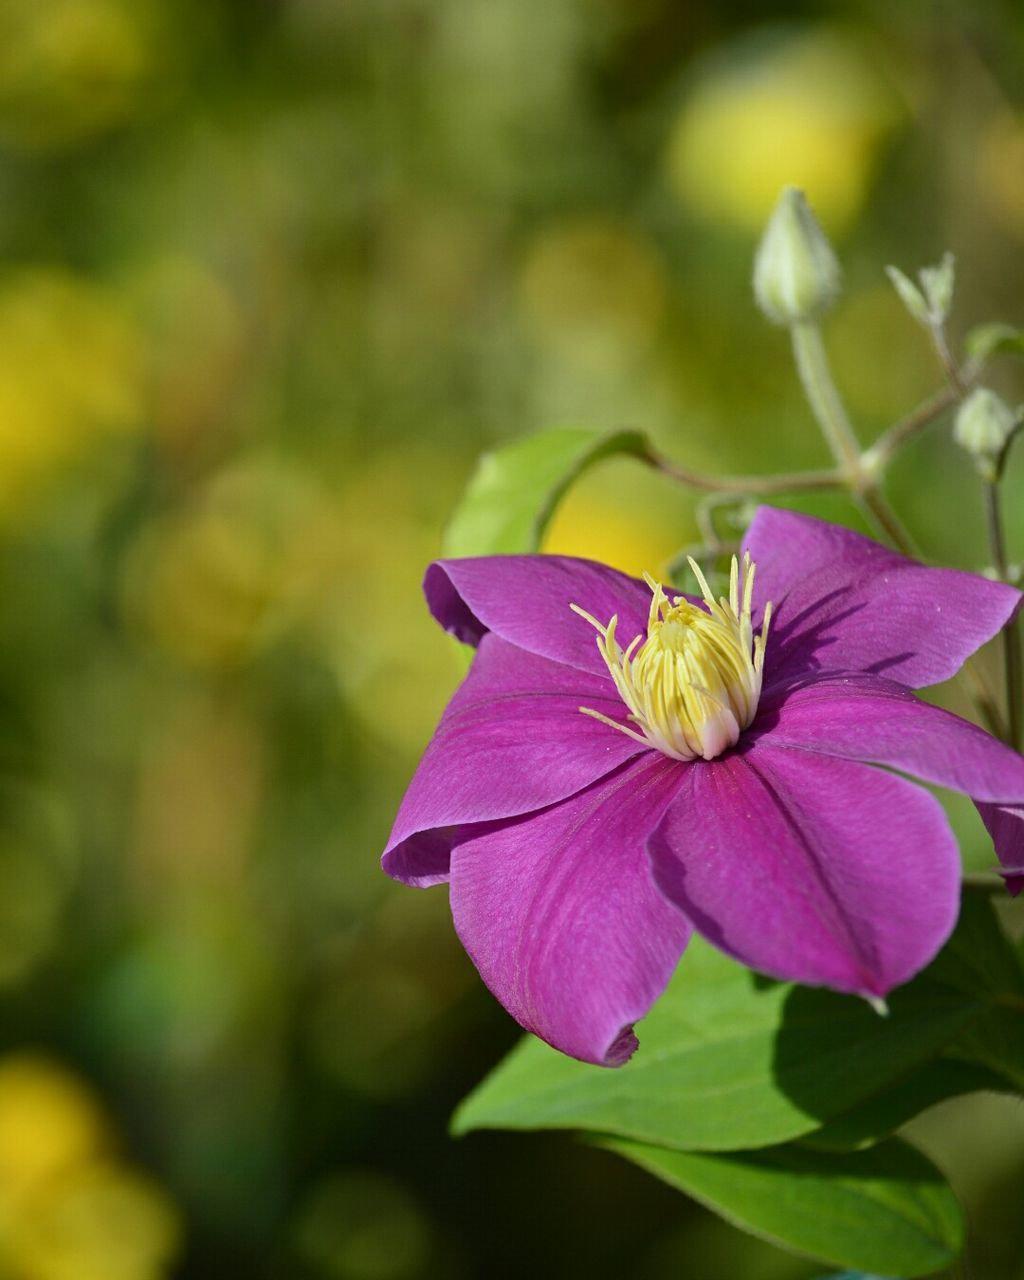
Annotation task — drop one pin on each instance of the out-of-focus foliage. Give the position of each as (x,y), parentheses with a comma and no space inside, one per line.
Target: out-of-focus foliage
(272,274)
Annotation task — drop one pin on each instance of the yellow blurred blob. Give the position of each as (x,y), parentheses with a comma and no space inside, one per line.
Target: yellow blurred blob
(213,582)
(70,373)
(1000,161)
(49,1124)
(591,288)
(616,521)
(806,111)
(397,677)
(101,1222)
(70,68)
(195,339)
(67,1210)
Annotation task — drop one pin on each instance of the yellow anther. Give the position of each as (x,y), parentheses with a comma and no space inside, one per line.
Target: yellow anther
(693,684)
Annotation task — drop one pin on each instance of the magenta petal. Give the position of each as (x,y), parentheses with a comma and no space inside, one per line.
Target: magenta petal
(526,599)
(512,740)
(871,719)
(1005,824)
(810,868)
(845,603)
(559,914)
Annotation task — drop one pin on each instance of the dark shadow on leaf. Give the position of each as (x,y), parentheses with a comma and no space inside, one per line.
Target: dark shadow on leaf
(833,1051)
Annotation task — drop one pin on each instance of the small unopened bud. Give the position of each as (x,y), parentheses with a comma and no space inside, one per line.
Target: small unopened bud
(796,274)
(984,425)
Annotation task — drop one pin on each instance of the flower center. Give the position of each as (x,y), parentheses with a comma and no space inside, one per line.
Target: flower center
(693,684)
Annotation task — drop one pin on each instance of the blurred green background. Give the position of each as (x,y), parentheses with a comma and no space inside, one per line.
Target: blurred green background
(272,274)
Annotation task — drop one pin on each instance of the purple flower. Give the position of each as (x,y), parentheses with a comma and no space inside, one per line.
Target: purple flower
(592,804)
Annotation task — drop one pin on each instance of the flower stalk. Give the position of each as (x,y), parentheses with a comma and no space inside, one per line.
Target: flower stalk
(837,430)
(1011,632)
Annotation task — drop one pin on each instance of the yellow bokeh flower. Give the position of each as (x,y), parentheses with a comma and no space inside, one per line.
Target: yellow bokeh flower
(49,1123)
(591,288)
(70,374)
(68,1209)
(100,1222)
(71,68)
(805,110)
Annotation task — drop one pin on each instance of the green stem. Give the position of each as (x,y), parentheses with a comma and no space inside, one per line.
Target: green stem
(1010,633)
(959,385)
(788,482)
(887,519)
(828,410)
(830,415)
(926,414)
(949,365)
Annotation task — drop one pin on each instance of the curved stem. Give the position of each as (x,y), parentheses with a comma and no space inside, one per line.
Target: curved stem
(959,384)
(830,415)
(828,410)
(1010,633)
(949,365)
(788,482)
(927,413)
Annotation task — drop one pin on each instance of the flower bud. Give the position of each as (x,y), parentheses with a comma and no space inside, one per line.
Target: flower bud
(796,274)
(984,424)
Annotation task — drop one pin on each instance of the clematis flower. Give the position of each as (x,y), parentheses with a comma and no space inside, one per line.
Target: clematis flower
(624,765)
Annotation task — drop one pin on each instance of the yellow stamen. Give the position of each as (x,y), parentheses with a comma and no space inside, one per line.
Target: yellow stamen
(693,684)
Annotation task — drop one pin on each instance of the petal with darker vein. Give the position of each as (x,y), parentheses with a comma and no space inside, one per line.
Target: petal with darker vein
(810,868)
(560,915)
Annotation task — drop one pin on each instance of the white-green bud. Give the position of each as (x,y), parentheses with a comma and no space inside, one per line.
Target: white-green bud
(984,424)
(796,274)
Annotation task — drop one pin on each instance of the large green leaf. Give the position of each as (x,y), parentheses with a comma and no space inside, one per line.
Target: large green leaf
(727,1060)
(888,1209)
(514,491)
(986,962)
(979,958)
(878,1117)
(988,1053)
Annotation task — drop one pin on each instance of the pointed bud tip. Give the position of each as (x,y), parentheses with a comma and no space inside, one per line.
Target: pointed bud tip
(796,274)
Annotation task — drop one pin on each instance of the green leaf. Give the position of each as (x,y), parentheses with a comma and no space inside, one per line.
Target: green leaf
(937,283)
(996,339)
(888,1209)
(878,1117)
(514,491)
(727,1060)
(910,295)
(996,1040)
(981,960)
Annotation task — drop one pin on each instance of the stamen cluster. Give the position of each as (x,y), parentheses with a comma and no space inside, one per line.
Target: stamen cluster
(692,684)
